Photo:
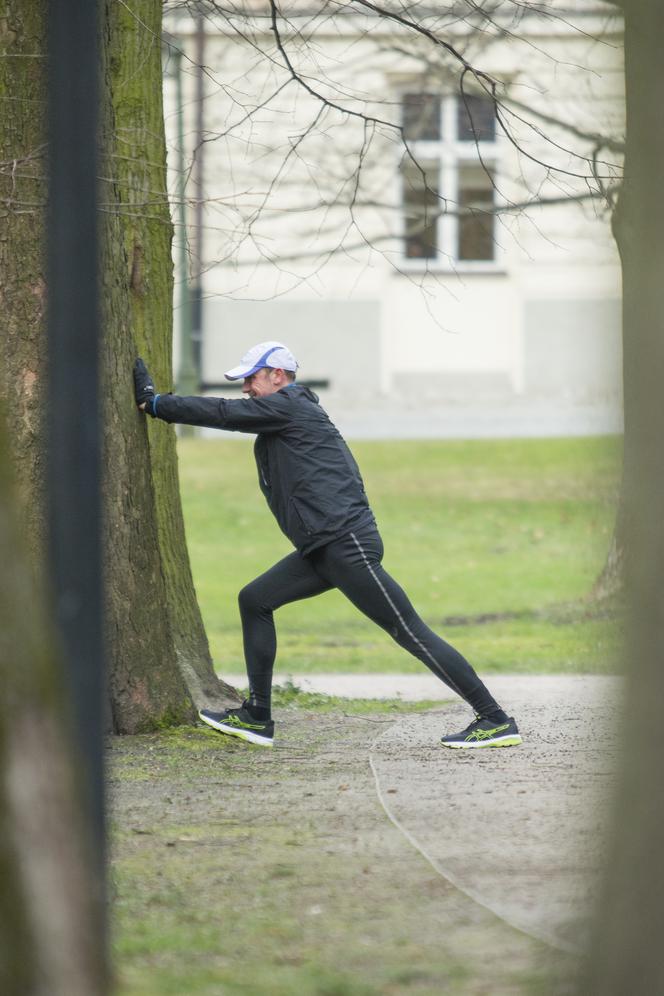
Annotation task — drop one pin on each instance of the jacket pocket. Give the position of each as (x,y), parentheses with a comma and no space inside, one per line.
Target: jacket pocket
(301,519)
(264,478)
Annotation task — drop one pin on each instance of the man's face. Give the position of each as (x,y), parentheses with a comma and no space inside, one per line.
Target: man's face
(263,382)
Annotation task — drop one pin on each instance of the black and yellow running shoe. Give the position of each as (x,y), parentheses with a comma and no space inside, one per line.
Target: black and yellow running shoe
(485,733)
(240,723)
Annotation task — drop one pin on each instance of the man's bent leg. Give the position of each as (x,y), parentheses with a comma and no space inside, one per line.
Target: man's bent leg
(353,565)
(287,581)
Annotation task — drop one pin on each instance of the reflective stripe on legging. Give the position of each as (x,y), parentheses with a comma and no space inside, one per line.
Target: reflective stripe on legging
(436,664)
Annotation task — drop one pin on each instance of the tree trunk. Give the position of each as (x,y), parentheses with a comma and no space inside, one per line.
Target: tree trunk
(22,283)
(51,937)
(139,167)
(626,954)
(611,581)
(145,684)
(159,663)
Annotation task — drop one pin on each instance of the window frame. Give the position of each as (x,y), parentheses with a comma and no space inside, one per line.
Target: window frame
(449,153)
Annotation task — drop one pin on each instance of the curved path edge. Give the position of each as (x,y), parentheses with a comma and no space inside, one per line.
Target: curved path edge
(521,831)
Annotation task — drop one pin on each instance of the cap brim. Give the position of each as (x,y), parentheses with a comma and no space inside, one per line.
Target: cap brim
(239,373)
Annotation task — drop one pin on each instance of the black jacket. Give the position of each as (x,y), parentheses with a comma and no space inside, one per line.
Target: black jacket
(305,469)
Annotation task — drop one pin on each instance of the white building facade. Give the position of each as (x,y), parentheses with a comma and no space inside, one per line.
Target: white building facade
(422,215)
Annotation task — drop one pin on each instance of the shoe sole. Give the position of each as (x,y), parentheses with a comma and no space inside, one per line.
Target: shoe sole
(233,731)
(510,741)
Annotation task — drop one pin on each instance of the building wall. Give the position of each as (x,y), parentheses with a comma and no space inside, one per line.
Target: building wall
(337,342)
(539,327)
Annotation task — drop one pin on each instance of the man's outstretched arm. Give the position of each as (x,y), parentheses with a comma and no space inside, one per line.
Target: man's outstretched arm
(246,415)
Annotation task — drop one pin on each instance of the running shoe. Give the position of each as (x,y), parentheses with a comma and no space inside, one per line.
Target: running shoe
(485,733)
(240,723)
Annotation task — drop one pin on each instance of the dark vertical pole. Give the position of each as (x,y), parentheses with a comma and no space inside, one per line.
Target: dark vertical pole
(72,405)
(199,193)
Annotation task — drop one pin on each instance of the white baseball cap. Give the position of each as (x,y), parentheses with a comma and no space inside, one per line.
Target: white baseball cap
(265,354)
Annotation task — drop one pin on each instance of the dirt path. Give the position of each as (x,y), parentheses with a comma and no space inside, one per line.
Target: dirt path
(521,831)
(241,870)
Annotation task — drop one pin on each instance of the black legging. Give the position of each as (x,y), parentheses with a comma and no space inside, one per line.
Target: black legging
(353,565)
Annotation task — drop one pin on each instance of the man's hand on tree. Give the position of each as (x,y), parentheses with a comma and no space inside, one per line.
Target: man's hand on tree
(143,387)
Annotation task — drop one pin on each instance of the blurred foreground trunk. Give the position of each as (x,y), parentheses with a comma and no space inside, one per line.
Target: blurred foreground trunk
(626,955)
(51,937)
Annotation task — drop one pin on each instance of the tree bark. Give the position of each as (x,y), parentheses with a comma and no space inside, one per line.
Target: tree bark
(22,281)
(159,662)
(51,935)
(139,167)
(626,953)
(145,684)
(610,584)
(611,580)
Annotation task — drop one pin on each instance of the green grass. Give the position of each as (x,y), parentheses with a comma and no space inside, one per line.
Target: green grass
(513,530)
(287,694)
(267,943)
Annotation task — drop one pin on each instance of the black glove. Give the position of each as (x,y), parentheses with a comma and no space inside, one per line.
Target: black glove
(143,386)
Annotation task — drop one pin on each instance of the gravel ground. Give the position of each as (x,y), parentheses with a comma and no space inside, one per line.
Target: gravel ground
(368,859)
(523,831)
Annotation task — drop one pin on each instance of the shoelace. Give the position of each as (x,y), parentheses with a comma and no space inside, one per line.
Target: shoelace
(233,713)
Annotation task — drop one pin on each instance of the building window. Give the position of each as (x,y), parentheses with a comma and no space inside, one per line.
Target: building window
(448,192)
(475,222)
(421,202)
(421,117)
(476,119)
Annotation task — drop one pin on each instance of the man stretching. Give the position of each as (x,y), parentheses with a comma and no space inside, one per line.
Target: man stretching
(314,489)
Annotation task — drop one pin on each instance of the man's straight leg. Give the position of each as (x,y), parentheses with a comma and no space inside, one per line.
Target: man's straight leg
(353,565)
